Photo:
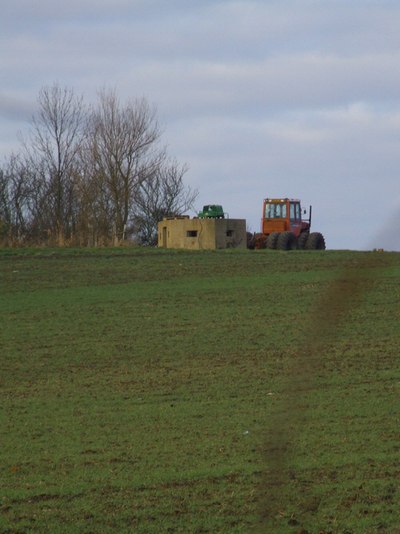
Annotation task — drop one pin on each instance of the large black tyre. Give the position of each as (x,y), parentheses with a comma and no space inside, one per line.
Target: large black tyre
(272,240)
(316,241)
(302,240)
(287,241)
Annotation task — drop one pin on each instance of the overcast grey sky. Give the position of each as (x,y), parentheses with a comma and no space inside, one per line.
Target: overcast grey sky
(265,98)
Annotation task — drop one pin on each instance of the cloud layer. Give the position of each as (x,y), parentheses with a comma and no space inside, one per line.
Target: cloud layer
(294,98)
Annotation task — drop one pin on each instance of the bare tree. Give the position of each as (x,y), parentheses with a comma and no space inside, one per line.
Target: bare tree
(51,151)
(90,176)
(161,194)
(15,196)
(122,149)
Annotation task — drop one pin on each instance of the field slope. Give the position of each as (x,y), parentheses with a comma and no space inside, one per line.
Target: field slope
(155,391)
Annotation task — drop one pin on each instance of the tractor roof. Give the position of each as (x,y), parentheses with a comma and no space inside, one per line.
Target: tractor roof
(281,200)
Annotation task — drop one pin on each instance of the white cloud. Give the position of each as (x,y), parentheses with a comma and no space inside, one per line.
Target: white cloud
(260,98)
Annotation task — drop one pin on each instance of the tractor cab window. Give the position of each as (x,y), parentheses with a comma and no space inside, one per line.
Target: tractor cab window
(295,211)
(269,211)
(274,210)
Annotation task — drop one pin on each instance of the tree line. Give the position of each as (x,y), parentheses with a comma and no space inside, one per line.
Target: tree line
(90,175)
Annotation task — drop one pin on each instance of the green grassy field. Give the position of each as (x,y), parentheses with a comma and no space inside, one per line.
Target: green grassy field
(154,391)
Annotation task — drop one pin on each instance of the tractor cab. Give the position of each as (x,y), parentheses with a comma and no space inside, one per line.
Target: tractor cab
(283,215)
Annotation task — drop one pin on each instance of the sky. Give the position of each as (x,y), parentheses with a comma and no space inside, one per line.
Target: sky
(285,98)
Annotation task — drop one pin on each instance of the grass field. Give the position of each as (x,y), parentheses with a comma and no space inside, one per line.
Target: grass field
(155,391)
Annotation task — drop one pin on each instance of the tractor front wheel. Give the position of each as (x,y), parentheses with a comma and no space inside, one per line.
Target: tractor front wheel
(316,241)
(302,240)
(272,240)
(287,241)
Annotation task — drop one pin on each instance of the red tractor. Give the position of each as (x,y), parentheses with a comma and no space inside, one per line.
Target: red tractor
(283,228)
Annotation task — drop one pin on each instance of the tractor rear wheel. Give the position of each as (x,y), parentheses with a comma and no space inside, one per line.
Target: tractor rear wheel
(287,241)
(302,240)
(272,240)
(316,241)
